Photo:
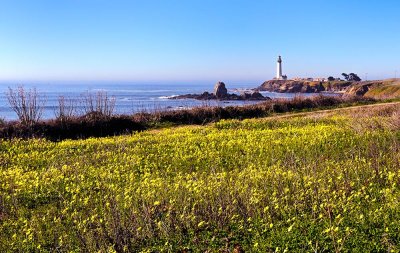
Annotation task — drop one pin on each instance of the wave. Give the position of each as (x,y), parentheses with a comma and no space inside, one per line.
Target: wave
(135,91)
(249,90)
(125,99)
(168,97)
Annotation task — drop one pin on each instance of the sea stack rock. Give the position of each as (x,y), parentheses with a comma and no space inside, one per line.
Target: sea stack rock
(220,90)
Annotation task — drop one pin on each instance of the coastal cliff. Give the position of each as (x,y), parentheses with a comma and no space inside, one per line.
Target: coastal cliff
(294,86)
(388,88)
(380,89)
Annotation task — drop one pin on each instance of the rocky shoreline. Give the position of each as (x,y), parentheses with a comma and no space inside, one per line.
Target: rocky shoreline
(293,86)
(388,88)
(221,93)
(347,88)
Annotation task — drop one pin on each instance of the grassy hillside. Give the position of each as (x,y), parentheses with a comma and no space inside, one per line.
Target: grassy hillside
(388,89)
(379,89)
(326,181)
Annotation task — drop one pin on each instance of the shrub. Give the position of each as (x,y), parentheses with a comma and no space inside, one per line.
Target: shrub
(98,105)
(28,105)
(65,110)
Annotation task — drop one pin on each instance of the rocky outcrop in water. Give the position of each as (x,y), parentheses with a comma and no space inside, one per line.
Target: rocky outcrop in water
(221,93)
(220,90)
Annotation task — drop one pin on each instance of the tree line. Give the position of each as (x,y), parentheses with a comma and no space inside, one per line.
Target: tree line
(352,77)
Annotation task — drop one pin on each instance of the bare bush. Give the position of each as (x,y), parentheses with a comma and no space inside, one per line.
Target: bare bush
(99,104)
(2,122)
(65,110)
(28,105)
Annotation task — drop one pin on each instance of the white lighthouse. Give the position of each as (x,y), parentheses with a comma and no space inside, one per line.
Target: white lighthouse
(279,69)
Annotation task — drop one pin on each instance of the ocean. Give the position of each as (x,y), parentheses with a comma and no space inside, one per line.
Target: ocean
(130,97)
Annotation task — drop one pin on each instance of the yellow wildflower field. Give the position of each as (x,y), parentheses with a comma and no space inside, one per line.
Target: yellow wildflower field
(322,182)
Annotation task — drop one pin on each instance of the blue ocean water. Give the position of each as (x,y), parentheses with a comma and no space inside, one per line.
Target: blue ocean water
(130,97)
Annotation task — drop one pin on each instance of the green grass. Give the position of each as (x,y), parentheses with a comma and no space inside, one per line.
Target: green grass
(324,181)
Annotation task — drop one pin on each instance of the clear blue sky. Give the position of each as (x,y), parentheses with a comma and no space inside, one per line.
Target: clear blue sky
(196,40)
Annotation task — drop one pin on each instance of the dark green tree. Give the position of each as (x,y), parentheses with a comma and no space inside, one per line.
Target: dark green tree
(354,77)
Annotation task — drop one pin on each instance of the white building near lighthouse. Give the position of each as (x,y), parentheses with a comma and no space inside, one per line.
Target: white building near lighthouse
(279,75)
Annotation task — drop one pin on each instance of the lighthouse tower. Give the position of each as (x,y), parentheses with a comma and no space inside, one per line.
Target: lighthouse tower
(279,69)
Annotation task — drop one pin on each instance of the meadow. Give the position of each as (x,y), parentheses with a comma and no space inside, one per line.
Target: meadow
(307,182)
